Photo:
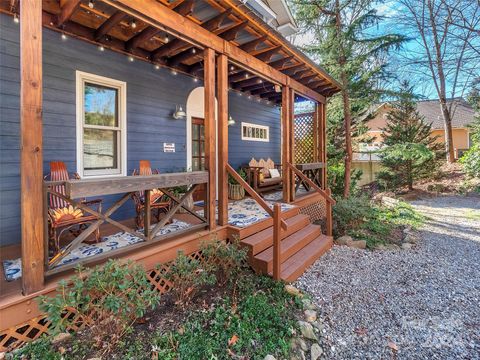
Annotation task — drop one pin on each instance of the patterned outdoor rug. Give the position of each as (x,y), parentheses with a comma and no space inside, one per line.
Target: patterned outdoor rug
(13,268)
(278,195)
(245,212)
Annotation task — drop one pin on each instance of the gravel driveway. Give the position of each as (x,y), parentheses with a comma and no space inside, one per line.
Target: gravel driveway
(422,303)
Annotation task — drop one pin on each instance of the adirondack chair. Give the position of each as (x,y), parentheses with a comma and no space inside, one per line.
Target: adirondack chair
(159,203)
(62,216)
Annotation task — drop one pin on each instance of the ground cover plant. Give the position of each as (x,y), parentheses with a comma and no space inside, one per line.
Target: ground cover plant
(231,313)
(363,219)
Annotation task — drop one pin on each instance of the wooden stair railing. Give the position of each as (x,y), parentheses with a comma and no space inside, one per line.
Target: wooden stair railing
(326,194)
(275,214)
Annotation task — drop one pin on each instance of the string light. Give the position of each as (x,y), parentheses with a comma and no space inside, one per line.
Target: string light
(246,76)
(16,20)
(232,68)
(166,38)
(130,58)
(195,79)
(194,50)
(174,72)
(64,37)
(91,5)
(133,24)
(101,48)
(157,67)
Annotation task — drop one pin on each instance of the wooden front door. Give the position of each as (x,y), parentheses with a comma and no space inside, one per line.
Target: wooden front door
(198,153)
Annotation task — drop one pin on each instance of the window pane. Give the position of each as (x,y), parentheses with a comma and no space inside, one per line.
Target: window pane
(195,164)
(202,147)
(195,131)
(195,149)
(99,149)
(202,132)
(101,105)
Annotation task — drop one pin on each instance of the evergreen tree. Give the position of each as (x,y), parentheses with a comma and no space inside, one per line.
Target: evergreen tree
(342,40)
(411,152)
(471,158)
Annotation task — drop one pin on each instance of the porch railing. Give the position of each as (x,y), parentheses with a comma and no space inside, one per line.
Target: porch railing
(326,194)
(72,190)
(276,214)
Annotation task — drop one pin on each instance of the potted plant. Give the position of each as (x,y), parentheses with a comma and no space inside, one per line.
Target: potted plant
(179,191)
(235,190)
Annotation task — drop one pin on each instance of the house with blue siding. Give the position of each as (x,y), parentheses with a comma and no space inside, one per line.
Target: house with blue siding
(136,129)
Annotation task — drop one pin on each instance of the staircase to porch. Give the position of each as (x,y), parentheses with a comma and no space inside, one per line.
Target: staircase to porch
(301,245)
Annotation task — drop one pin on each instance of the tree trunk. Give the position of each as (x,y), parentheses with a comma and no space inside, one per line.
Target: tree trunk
(447,119)
(348,136)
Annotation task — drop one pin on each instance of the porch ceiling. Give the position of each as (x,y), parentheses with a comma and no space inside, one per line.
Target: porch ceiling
(104,25)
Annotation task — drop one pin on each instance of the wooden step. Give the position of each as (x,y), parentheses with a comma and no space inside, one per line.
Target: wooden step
(263,262)
(296,265)
(242,233)
(260,241)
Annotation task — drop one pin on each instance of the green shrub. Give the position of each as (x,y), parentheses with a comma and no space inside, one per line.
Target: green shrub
(336,179)
(40,349)
(471,161)
(188,275)
(360,218)
(227,259)
(108,298)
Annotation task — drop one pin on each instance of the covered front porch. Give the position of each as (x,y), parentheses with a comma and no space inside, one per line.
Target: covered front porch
(196,91)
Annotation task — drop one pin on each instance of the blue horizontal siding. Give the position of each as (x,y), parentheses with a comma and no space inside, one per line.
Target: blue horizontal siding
(151,99)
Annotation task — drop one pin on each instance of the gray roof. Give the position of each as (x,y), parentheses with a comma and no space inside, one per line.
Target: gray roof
(463,113)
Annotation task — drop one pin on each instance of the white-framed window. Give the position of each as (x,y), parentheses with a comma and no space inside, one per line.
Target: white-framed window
(254,132)
(101,126)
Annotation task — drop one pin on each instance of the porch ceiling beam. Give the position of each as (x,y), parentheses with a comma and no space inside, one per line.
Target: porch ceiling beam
(248,82)
(142,37)
(210,25)
(67,11)
(109,24)
(240,76)
(262,90)
(269,94)
(309,78)
(157,14)
(293,69)
(185,8)
(231,33)
(257,86)
(299,74)
(267,54)
(184,56)
(278,64)
(252,45)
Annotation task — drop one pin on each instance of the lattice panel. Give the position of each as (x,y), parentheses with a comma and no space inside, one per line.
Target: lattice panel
(304,150)
(317,211)
(15,337)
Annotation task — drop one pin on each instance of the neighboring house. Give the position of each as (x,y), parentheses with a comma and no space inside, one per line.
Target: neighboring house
(276,13)
(463,114)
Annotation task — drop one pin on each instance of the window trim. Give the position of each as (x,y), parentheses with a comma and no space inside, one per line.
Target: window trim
(121,86)
(255,126)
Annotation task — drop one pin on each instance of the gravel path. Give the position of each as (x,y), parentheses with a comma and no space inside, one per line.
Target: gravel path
(422,303)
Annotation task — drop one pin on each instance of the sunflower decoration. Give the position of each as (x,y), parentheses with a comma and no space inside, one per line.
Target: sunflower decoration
(155,194)
(65,213)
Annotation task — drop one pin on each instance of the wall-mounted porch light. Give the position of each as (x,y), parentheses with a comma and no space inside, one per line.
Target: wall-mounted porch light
(179,113)
(230,122)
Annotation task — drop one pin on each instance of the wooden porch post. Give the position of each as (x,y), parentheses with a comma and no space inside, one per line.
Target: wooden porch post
(222,94)
(210,133)
(316,135)
(286,143)
(323,135)
(31,166)
(291,147)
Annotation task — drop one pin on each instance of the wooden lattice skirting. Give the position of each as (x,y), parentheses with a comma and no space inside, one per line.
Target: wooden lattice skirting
(317,211)
(16,336)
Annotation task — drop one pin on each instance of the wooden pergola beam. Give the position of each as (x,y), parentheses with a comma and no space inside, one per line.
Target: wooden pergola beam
(262,86)
(278,64)
(184,56)
(109,24)
(266,54)
(67,11)
(248,82)
(31,146)
(252,44)
(262,90)
(142,37)
(210,25)
(231,33)
(185,8)
(293,69)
